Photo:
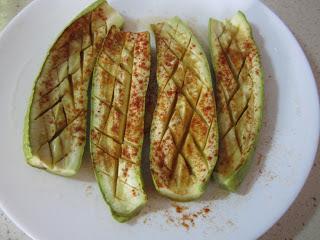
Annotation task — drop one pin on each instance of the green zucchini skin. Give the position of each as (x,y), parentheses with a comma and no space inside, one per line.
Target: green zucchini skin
(119,87)
(184,133)
(72,58)
(228,40)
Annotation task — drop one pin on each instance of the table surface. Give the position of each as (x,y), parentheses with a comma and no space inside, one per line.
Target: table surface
(302,220)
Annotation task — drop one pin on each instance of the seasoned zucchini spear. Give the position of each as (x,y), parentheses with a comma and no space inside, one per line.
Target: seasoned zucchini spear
(119,88)
(184,133)
(239,84)
(55,124)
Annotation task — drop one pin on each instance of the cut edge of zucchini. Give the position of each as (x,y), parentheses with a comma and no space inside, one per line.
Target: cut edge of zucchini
(31,159)
(120,212)
(232,182)
(197,189)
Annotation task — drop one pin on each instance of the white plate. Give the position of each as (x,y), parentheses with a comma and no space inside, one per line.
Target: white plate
(51,207)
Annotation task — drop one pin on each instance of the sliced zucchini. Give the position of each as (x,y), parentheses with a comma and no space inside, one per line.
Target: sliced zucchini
(119,88)
(184,133)
(55,124)
(240,96)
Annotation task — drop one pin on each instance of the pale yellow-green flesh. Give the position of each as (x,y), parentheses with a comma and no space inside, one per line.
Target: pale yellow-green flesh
(117,120)
(55,124)
(184,134)
(239,84)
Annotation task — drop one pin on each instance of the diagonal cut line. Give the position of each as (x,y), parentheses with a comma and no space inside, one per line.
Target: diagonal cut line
(82,60)
(186,49)
(224,30)
(173,39)
(103,101)
(71,87)
(62,158)
(118,64)
(194,108)
(175,67)
(174,141)
(172,110)
(242,113)
(233,126)
(104,151)
(83,50)
(232,121)
(179,59)
(119,199)
(51,90)
(61,130)
(105,69)
(108,104)
(219,40)
(231,70)
(229,109)
(237,79)
(168,48)
(116,178)
(104,173)
(229,129)
(129,185)
(208,134)
(191,69)
(238,87)
(128,100)
(122,200)
(113,62)
(131,143)
(90,30)
(106,135)
(244,58)
(128,160)
(191,172)
(244,109)
(233,35)
(65,115)
(48,109)
(199,149)
(163,169)
(174,30)
(184,137)
(51,154)
(126,113)
(235,75)
(115,77)
(116,107)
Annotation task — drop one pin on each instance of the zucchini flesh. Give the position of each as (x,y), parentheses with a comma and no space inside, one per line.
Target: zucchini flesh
(117,120)
(55,124)
(239,81)
(184,134)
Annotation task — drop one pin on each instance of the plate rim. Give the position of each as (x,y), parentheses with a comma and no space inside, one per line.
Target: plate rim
(315,87)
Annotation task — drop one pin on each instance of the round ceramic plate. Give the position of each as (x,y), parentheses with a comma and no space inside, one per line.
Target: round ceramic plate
(52,207)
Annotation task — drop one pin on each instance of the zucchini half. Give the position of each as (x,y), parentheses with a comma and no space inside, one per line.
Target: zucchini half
(240,96)
(55,123)
(184,132)
(120,82)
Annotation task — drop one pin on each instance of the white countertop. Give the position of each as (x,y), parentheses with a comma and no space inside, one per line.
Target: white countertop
(302,220)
